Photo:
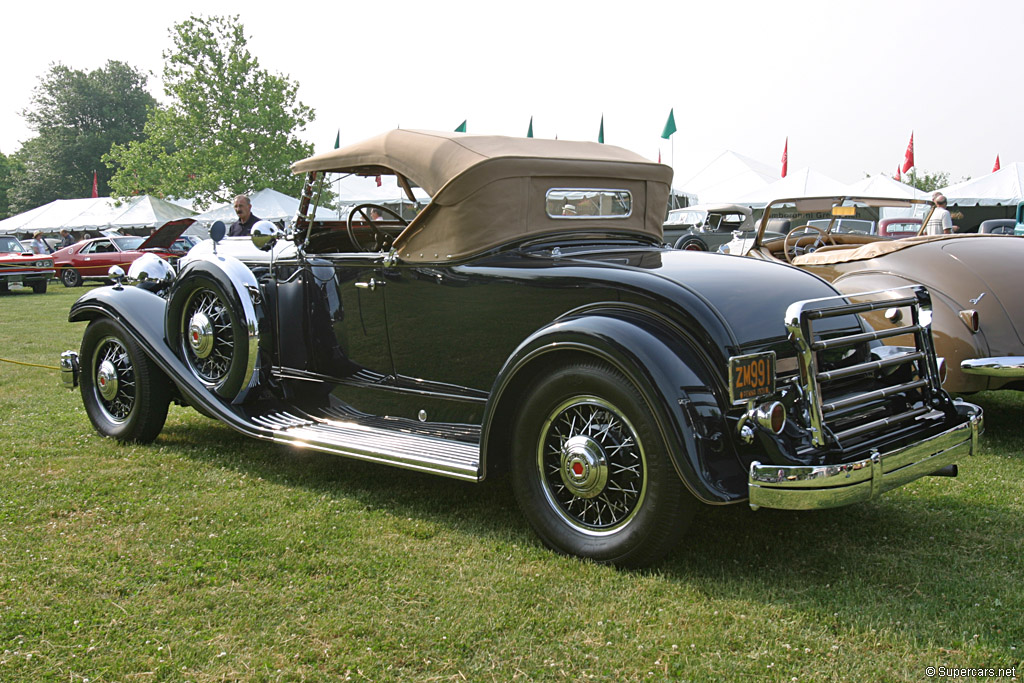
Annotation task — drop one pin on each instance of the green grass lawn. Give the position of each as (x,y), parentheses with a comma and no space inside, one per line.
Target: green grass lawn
(207,556)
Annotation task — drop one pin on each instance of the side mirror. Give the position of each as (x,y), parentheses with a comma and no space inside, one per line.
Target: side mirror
(217,231)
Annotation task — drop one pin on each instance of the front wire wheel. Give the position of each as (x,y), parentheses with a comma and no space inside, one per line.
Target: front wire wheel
(591,471)
(125,394)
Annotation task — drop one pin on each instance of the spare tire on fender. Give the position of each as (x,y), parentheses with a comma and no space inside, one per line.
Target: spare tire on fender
(212,323)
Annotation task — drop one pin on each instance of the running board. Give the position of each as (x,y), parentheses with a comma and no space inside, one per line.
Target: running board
(350,438)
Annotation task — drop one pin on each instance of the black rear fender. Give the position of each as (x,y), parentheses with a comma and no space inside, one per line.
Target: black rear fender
(685,395)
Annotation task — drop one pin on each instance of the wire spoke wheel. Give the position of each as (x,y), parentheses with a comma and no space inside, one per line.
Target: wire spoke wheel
(591,470)
(592,465)
(208,340)
(114,380)
(125,394)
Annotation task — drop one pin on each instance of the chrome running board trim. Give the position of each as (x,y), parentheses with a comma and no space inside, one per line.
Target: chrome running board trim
(352,439)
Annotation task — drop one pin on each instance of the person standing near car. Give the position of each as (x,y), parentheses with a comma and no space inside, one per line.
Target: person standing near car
(940,222)
(66,238)
(39,245)
(246,219)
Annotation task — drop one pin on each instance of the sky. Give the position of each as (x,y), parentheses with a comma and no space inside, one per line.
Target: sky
(846,82)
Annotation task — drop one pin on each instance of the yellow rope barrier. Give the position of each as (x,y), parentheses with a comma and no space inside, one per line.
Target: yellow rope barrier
(31,365)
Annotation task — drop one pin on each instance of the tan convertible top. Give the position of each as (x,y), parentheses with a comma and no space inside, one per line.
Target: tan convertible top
(881,247)
(488,190)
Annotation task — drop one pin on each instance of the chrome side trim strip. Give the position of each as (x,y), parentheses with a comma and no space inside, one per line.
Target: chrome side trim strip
(997,366)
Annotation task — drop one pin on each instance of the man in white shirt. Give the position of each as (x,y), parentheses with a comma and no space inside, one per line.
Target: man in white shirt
(941,222)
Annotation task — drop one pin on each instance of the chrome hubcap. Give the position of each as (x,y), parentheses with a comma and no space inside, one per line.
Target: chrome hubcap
(106,380)
(584,467)
(207,339)
(592,465)
(200,335)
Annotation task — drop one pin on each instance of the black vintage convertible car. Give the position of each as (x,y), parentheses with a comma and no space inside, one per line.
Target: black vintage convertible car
(618,382)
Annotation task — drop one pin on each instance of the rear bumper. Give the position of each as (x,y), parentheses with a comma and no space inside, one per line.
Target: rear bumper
(999,366)
(826,486)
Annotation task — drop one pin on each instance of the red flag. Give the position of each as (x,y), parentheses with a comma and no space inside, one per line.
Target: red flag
(898,176)
(908,158)
(95,188)
(996,167)
(785,158)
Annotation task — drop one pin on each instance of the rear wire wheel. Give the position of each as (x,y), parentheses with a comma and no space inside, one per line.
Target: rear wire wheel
(125,394)
(591,471)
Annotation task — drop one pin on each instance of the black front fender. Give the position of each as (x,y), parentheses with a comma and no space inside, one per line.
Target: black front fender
(141,313)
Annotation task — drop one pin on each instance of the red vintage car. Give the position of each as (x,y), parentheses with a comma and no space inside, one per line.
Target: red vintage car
(18,264)
(92,259)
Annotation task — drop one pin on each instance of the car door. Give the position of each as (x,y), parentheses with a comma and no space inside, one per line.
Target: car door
(95,258)
(332,323)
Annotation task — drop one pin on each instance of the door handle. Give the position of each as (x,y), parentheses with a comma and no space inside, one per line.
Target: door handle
(371,285)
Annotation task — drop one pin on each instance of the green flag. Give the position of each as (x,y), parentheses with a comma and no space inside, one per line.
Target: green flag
(670,125)
(461,128)
(600,133)
(337,139)
(529,131)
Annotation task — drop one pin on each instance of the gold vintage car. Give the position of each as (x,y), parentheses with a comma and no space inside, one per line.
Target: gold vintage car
(974,279)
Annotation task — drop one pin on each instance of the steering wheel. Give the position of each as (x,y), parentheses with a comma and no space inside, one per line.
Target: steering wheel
(380,238)
(821,239)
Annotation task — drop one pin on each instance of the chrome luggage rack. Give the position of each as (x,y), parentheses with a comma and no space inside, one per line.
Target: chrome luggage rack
(800,319)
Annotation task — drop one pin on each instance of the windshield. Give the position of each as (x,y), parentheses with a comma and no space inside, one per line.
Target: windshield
(127,243)
(10,245)
(846,214)
(685,217)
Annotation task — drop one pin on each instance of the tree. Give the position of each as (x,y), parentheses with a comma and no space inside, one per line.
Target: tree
(7,170)
(927,182)
(229,128)
(77,117)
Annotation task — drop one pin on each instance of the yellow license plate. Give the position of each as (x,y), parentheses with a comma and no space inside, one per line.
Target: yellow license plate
(751,376)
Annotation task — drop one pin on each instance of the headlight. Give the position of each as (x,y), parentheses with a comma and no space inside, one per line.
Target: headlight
(150,272)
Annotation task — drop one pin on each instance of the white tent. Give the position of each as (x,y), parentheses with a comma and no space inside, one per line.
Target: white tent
(882,185)
(267,204)
(95,214)
(802,183)
(729,176)
(1005,187)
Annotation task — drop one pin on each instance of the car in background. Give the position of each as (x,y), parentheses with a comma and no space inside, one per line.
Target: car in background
(998,226)
(618,383)
(899,227)
(184,243)
(19,265)
(703,227)
(974,280)
(837,225)
(92,259)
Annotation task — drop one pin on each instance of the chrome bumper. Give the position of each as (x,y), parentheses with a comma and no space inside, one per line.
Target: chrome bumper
(998,366)
(69,369)
(826,486)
